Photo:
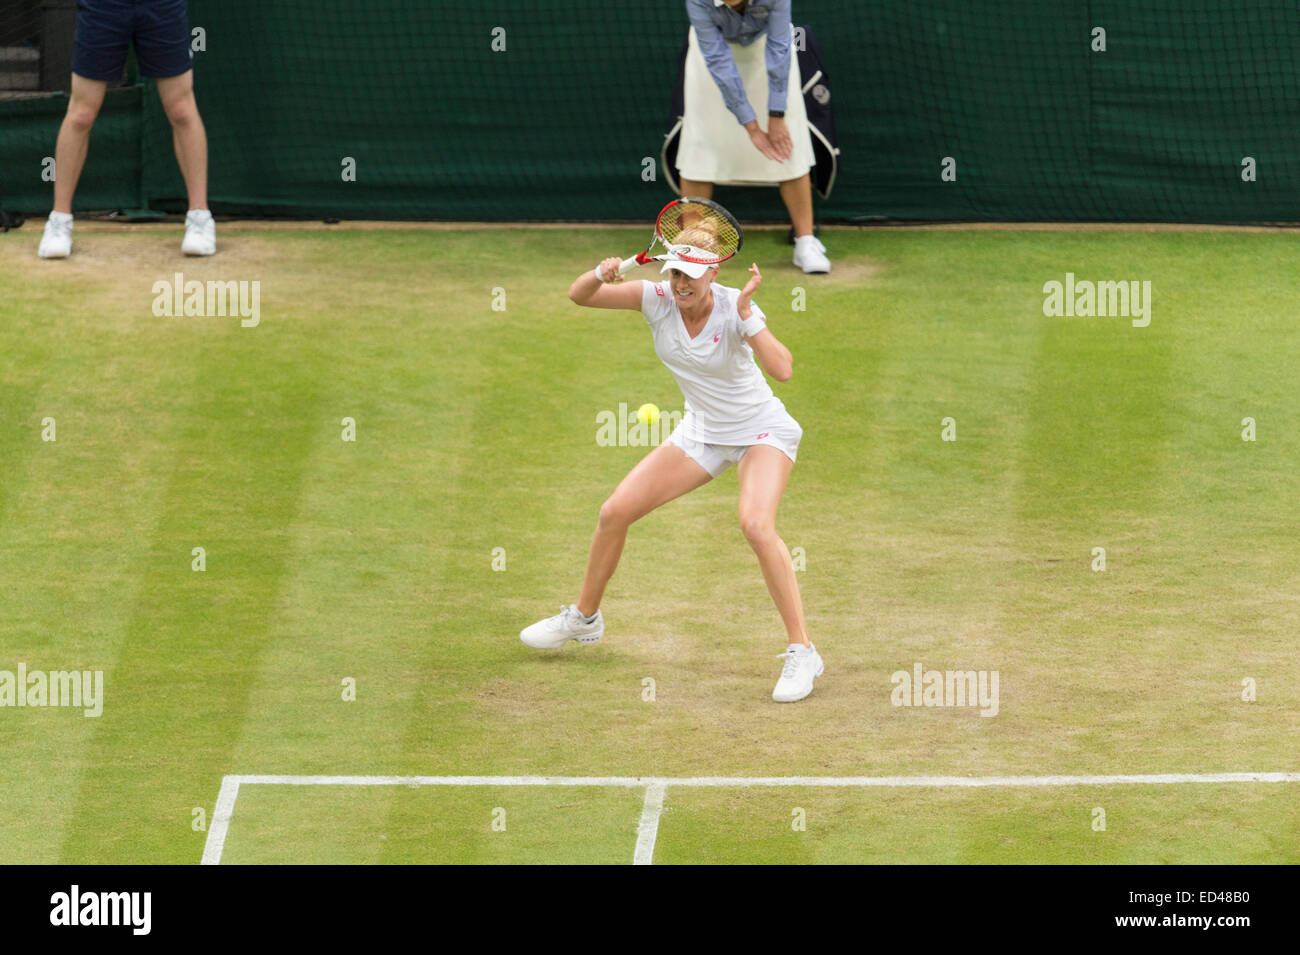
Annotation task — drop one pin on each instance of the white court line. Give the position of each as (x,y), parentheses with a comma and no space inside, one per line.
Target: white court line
(638,782)
(655,787)
(648,830)
(216,841)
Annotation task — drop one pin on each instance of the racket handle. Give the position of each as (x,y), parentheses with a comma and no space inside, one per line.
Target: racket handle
(628,265)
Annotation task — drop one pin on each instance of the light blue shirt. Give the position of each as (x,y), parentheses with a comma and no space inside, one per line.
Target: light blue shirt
(716,24)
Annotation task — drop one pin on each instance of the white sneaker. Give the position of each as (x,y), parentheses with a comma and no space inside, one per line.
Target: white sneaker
(200,233)
(802,666)
(56,243)
(568,624)
(810,254)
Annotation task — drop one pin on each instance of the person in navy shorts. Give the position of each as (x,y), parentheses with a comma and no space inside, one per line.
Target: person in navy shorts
(160,32)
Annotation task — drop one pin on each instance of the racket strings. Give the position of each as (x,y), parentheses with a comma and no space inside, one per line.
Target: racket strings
(711,234)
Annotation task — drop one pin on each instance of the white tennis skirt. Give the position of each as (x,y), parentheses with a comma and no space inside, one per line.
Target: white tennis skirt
(714,147)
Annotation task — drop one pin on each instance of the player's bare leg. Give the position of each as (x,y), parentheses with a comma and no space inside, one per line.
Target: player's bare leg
(84,101)
(662,475)
(189,137)
(762,475)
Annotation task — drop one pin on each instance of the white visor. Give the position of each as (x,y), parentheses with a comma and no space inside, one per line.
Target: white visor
(694,269)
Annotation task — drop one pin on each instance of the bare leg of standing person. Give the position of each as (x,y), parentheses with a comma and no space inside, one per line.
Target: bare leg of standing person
(84,101)
(190,141)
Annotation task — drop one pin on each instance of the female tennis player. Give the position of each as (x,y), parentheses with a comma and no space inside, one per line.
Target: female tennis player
(707,334)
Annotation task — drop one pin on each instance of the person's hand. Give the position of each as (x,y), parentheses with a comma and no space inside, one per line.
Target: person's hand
(742,302)
(761,141)
(609,267)
(778,135)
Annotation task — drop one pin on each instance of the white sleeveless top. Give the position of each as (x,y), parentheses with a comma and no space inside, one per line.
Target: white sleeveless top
(728,400)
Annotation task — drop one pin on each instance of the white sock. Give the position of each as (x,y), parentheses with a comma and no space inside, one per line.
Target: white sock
(200,213)
(60,216)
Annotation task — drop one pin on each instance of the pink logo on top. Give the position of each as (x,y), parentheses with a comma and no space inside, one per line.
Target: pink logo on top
(659,291)
(715,338)
(763,435)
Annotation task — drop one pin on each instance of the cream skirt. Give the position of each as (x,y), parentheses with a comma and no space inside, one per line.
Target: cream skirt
(714,147)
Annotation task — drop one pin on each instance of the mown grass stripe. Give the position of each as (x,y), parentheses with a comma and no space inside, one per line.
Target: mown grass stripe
(183,674)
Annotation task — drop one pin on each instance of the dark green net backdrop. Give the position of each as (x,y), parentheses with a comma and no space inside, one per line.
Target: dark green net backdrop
(558,125)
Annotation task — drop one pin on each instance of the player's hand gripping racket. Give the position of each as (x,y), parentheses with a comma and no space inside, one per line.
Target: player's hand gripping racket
(691,230)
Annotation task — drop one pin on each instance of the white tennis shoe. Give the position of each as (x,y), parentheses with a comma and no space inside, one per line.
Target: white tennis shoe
(802,666)
(200,233)
(810,255)
(56,243)
(568,624)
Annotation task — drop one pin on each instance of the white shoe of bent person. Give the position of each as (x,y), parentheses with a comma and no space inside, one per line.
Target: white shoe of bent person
(810,255)
(200,233)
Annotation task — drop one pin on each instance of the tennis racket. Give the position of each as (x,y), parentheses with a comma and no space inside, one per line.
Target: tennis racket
(691,230)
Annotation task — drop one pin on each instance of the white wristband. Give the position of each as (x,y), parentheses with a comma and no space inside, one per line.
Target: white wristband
(751,326)
(600,278)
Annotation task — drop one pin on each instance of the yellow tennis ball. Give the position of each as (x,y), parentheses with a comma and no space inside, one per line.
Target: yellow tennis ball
(648,415)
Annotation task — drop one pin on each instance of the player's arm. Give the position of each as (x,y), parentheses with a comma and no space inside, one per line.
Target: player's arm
(606,291)
(773,357)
